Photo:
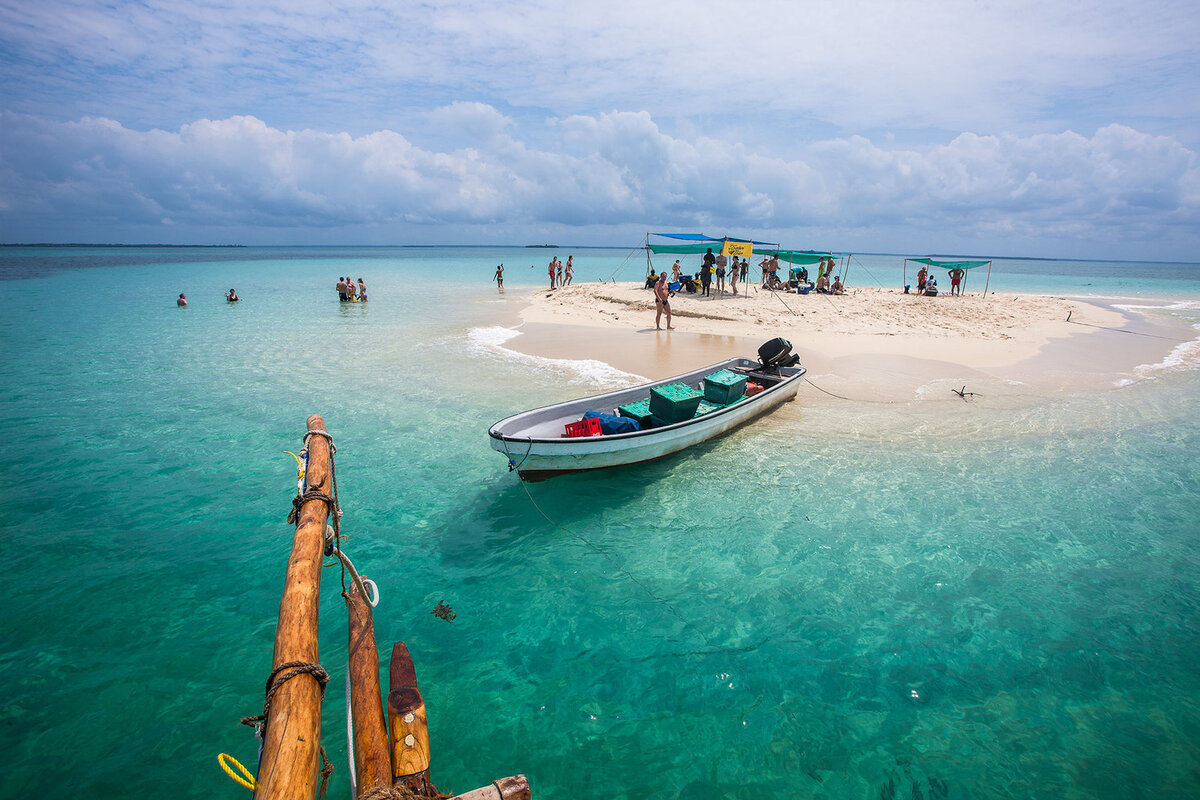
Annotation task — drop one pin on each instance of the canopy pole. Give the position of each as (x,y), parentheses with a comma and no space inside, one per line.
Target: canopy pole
(988,281)
(846,270)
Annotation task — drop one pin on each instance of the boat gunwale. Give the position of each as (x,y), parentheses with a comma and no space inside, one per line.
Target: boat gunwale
(733,407)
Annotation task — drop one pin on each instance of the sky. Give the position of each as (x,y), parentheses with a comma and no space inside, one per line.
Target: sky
(1064,129)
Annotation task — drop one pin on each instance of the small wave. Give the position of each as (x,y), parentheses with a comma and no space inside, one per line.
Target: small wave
(589,372)
(1180,305)
(1184,356)
(493,336)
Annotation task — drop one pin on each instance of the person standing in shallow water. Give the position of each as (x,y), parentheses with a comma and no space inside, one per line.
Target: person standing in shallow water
(570,273)
(499,278)
(362,291)
(182,301)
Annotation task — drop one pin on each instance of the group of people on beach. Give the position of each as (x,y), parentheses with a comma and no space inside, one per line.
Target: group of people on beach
(927,284)
(230,296)
(560,274)
(348,292)
(720,266)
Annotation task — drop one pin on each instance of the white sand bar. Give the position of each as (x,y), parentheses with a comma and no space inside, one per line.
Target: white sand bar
(873,342)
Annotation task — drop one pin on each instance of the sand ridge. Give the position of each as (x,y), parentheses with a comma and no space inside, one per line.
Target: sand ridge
(992,330)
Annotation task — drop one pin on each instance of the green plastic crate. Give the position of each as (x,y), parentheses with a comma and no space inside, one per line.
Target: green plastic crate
(639,411)
(706,407)
(674,402)
(724,387)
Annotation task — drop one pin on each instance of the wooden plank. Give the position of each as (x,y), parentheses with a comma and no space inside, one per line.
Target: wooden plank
(514,787)
(409,729)
(288,769)
(372,756)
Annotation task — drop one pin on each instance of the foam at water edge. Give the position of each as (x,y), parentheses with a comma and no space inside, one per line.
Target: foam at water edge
(493,336)
(586,371)
(1182,305)
(1184,356)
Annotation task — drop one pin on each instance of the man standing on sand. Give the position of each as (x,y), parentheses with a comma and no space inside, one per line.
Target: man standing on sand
(662,301)
(552,265)
(955,278)
(706,272)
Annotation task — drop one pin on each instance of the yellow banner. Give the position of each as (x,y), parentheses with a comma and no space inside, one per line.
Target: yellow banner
(739,249)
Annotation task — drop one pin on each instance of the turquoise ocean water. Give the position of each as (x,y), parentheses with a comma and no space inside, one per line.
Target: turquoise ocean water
(1005,606)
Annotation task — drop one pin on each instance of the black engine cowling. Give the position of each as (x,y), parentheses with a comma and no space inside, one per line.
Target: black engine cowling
(777,353)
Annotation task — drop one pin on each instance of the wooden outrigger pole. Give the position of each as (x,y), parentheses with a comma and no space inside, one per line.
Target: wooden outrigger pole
(386,765)
(372,758)
(288,768)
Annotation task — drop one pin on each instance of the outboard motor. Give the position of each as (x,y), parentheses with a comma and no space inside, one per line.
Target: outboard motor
(777,353)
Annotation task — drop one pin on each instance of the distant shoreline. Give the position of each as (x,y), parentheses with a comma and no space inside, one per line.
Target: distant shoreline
(81,245)
(85,244)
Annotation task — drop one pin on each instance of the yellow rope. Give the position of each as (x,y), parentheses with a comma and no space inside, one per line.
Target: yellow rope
(248,779)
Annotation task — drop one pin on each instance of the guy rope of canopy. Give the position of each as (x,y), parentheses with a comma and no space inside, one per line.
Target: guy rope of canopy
(950,266)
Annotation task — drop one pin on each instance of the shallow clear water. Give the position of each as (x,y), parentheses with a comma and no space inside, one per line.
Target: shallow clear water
(979,602)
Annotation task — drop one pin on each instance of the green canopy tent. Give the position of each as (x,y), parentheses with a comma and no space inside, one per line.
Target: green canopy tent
(698,243)
(965,266)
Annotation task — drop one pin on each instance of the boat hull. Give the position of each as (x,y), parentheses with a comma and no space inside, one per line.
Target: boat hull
(537,455)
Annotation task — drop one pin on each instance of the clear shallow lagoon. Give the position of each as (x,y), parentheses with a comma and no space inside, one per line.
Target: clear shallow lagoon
(1003,603)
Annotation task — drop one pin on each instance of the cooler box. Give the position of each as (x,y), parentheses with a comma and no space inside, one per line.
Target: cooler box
(639,411)
(674,402)
(724,387)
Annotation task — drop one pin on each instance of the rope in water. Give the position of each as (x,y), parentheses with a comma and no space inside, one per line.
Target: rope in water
(1123,330)
(851,399)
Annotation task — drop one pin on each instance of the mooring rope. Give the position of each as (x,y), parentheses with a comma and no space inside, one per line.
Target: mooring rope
(1123,330)
(851,399)
(279,676)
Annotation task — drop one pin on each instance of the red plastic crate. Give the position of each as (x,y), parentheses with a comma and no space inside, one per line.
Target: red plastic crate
(585,427)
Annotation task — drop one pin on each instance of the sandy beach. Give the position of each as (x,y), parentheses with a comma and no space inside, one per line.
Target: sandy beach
(869,343)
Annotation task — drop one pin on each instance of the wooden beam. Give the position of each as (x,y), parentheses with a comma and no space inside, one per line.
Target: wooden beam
(288,769)
(409,729)
(372,756)
(514,787)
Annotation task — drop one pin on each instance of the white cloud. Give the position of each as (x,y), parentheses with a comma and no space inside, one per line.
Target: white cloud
(1119,187)
(1021,66)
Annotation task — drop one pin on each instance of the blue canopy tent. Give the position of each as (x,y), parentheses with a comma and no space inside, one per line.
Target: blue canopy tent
(950,266)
